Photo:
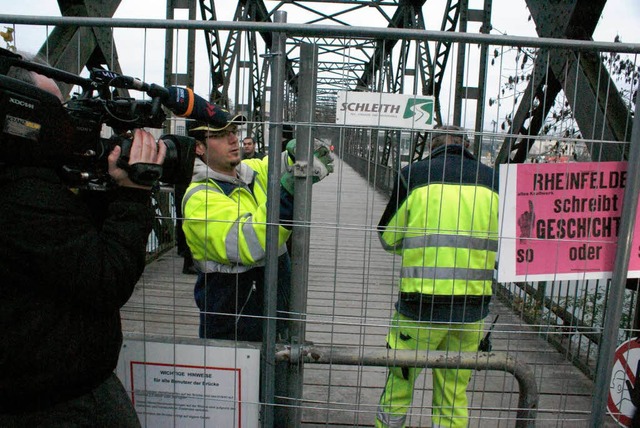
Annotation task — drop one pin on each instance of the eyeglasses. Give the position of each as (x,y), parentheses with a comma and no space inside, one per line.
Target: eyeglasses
(224,133)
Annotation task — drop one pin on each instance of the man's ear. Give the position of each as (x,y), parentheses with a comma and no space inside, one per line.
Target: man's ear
(200,148)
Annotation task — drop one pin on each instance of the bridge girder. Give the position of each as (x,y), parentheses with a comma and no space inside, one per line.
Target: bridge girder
(72,48)
(596,104)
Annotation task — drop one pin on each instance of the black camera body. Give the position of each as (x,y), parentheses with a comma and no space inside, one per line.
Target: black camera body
(36,129)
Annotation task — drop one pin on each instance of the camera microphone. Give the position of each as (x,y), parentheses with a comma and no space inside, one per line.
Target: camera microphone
(181,101)
(117,80)
(185,103)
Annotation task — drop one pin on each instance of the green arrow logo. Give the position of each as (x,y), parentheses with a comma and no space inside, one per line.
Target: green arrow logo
(421,109)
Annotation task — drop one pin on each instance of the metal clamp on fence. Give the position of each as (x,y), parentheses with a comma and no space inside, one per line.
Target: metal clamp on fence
(301,169)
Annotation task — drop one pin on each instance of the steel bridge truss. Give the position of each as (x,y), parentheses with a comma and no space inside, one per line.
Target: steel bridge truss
(378,65)
(357,65)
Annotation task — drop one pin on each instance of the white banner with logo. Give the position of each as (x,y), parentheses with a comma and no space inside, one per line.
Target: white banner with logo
(385,109)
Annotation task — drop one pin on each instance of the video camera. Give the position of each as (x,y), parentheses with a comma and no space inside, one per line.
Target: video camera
(36,129)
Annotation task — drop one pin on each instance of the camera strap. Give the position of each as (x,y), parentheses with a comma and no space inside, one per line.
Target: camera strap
(145,174)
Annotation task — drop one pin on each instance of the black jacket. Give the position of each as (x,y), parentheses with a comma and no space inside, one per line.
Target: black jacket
(67,265)
(256,155)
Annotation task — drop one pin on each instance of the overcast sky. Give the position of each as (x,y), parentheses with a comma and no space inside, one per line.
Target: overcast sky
(620,17)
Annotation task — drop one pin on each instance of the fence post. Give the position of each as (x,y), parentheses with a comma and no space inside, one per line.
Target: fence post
(267,365)
(303,171)
(612,317)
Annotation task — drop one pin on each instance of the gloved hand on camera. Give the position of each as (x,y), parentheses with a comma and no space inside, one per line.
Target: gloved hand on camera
(322,164)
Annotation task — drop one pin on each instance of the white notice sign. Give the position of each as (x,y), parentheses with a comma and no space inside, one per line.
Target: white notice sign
(385,109)
(191,385)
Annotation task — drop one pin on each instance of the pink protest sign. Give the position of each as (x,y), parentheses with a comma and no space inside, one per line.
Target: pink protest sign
(562,221)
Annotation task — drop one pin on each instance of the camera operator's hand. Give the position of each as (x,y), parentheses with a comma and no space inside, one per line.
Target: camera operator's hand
(144,149)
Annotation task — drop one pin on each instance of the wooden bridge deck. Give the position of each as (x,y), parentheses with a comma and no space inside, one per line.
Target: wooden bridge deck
(350,301)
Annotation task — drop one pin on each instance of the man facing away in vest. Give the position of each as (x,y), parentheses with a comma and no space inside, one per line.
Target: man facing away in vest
(442,220)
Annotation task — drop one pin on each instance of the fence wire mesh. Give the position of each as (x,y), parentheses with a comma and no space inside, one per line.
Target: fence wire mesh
(541,106)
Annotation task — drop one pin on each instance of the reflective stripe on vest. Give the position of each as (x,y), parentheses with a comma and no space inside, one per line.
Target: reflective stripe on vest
(232,239)
(210,266)
(453,241)
(390,420)
(447,273)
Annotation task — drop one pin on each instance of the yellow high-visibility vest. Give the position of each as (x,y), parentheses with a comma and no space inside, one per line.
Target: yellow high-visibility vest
(443,220)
